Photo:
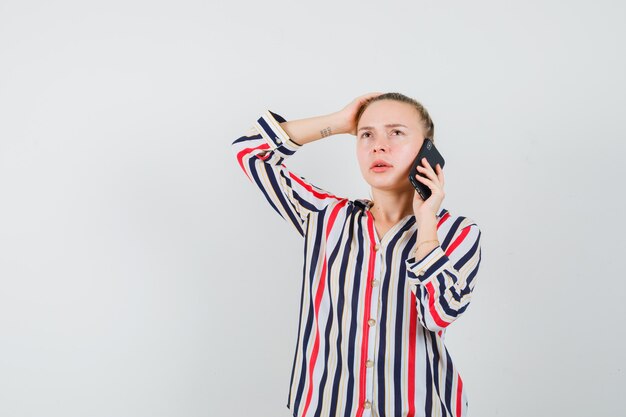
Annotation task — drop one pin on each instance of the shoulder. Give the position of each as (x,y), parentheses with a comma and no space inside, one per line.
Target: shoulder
(344,208)
(361,203)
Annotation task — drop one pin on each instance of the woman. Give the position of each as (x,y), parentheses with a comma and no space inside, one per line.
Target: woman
(383,278)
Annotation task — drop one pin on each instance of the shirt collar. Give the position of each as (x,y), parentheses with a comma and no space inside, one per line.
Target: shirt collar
(364,203)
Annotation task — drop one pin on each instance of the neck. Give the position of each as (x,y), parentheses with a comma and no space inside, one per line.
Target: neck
(391,206)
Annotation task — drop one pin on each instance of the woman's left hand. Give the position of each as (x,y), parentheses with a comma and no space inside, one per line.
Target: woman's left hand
(424,209)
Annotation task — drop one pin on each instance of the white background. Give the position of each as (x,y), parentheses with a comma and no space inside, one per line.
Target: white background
(138,264)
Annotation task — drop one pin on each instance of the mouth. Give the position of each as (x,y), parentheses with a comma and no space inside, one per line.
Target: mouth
(380,165)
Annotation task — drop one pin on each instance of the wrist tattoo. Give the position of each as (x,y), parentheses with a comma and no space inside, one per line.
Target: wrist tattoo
(326,132)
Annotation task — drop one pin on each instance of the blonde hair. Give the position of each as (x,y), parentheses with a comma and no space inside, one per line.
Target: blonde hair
(429,126)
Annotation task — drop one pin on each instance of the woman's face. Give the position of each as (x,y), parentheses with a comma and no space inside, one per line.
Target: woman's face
(390,131)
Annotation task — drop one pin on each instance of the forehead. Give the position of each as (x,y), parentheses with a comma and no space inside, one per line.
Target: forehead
(390,111)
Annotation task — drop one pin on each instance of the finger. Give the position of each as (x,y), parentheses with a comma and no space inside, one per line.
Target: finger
(440,175)
(428,166)
(429,173)
(367,96)
(437,172)
(430,184)
(433,182)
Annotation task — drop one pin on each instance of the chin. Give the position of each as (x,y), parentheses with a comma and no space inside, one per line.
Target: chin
(387,184)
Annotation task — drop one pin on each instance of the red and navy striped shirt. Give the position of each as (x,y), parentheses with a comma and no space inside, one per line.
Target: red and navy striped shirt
(372,317)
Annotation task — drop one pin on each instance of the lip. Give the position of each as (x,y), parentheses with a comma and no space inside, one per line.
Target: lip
(380,161)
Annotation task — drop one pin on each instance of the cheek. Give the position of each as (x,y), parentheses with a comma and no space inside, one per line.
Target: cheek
(407,156)
(361,157)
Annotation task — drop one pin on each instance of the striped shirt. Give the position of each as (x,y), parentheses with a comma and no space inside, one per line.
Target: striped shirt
(372,317)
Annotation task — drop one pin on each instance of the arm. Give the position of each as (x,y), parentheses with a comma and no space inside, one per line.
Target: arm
(442,272)
(261,152)
(443,280)
(304,131)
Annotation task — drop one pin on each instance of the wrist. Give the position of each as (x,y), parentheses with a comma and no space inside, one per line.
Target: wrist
(337,124)
(426,220)
(426,230)
(424,247)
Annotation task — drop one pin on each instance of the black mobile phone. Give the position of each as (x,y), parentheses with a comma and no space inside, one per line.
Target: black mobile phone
(433,157)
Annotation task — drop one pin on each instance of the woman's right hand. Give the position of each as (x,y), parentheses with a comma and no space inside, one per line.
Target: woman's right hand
(347,115)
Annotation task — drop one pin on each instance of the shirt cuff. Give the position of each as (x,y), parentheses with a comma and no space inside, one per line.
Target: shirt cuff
(418,272)
(269,127)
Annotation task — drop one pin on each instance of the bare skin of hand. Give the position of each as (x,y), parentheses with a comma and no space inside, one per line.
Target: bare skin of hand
(429,208)
(303,131)
(348,114)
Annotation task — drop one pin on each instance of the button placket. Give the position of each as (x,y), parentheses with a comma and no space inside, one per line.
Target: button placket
(375,283)
(372,322)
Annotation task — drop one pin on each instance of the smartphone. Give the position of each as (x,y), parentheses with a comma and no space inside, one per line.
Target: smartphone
(433,157)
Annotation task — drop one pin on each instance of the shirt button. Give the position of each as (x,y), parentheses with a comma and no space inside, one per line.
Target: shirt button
(369,364)
(367,405)
(376,247)
(371,322)
(374,282)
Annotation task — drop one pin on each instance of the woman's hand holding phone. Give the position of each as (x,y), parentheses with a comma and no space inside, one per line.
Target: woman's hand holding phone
(426,210)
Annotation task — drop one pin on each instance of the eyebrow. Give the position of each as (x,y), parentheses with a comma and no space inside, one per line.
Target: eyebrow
(389,125)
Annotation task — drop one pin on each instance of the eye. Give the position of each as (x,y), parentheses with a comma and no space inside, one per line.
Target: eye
(399,131)
(365,133)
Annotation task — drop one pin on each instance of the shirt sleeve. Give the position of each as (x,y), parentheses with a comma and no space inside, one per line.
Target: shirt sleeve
(443,281)
(261,153)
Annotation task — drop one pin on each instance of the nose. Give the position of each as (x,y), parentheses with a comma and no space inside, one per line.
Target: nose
(380,145)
